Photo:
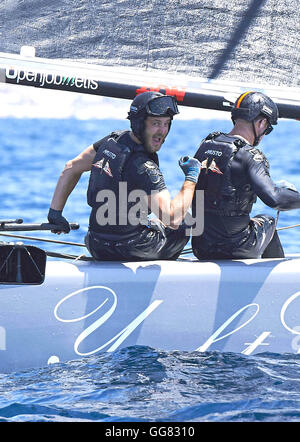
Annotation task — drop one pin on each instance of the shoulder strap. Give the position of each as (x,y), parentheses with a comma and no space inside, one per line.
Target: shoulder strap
(116,134)
(213,135)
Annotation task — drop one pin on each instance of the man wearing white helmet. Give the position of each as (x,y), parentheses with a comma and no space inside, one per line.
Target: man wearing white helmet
(233,174)
(125,169)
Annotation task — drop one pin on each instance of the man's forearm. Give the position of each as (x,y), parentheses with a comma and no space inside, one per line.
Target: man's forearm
(179,205)
(66,183)
(171,212)
(182,202)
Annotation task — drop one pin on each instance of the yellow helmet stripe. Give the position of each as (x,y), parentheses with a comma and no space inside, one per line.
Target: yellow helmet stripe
(241,98)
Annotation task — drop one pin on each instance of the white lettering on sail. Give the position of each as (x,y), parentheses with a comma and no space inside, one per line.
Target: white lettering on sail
(214,337)
(283,310)
(120,337)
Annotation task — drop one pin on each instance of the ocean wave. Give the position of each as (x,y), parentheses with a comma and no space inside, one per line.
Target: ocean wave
(140,383)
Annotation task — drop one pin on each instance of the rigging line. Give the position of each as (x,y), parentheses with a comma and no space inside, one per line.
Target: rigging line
(32,238)
(288,227)
(277,217)
(67,256)
(186,251)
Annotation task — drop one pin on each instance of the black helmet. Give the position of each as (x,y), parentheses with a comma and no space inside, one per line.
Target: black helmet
(250,105)
(152,104)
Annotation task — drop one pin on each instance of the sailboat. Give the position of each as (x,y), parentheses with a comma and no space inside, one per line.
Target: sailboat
(68,307)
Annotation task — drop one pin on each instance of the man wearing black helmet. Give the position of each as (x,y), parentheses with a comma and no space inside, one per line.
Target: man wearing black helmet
(233,173)
(126,185)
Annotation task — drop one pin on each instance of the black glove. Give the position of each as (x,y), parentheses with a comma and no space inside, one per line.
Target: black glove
(55,217)
(191,168)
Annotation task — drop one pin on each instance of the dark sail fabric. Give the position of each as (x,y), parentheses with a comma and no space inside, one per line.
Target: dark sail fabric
(243,40)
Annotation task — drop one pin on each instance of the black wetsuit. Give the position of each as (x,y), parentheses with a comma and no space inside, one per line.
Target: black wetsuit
(233,174)
(120,159)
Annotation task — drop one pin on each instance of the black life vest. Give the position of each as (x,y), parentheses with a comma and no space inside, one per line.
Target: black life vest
(106,174)
(221,197)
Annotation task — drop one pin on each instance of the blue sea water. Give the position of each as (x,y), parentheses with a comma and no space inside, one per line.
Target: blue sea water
(138,383)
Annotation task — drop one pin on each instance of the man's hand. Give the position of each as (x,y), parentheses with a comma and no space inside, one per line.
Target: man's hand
(191,168)
(55,217)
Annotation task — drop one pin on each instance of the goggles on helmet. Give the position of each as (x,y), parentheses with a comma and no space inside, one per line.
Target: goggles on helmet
(160,106)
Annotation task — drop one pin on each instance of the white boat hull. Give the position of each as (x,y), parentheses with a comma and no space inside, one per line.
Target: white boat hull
(82,308)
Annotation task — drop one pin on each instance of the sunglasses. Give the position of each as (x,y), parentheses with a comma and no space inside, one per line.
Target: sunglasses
(269,128)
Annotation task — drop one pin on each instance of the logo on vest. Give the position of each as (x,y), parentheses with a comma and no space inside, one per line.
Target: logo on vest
(109,153)
(217,153)
(105,167)
(212,166)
